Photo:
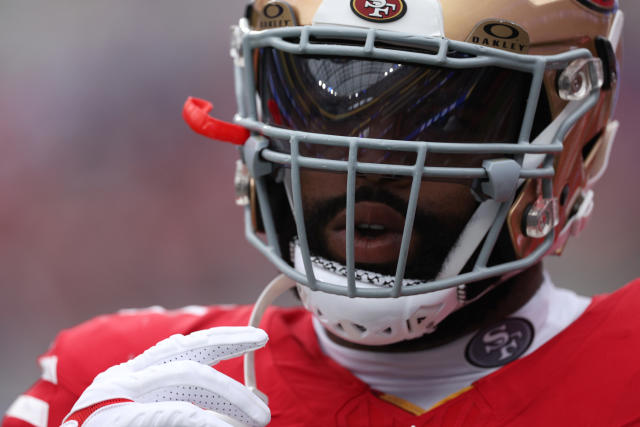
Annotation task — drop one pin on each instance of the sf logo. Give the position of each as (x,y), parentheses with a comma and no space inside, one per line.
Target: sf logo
(379,7)
(498,339)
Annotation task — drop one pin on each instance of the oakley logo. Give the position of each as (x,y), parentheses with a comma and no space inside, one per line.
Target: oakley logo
(500,34)
(379,10)
(275,14)
(272,10)
(500,344)
(501,31)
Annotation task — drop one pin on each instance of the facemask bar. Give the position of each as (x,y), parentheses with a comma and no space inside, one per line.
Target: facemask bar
(438,52)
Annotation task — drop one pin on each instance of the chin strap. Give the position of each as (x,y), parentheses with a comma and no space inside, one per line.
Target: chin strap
(278,286)
(470,239)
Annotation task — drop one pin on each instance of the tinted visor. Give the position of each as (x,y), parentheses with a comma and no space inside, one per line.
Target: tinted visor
(377,99)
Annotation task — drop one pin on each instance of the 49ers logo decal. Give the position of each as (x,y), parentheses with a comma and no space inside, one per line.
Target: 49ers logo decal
(379,10)
(604,6)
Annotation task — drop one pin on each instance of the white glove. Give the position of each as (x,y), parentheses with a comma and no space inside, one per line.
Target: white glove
(173,384)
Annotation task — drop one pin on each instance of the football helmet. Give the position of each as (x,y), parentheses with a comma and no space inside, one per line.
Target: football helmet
(500,109)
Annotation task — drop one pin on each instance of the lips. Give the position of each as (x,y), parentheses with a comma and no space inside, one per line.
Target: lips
(377,237)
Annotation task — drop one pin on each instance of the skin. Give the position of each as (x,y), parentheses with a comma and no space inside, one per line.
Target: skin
(444,199)
(449,201)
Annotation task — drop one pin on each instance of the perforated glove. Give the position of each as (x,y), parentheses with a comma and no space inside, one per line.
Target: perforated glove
(173,384)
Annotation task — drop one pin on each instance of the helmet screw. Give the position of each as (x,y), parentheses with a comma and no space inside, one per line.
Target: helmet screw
(577,82)
(540,217)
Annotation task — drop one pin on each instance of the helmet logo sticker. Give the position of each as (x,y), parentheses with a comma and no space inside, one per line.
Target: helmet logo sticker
(379,10)
(603,6)
(274,14)
(500,34)
(500,344)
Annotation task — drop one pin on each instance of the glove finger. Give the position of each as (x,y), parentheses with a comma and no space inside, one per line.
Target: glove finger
(208,346)
(202,386)
(160,414)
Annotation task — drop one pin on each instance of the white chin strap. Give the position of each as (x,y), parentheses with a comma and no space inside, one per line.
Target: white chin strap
(380,321)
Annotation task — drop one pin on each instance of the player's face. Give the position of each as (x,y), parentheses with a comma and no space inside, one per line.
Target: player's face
(381,202)
(390,101)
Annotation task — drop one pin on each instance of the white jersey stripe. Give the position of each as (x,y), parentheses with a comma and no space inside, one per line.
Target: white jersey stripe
(49,365)
(195,310)
(30,409)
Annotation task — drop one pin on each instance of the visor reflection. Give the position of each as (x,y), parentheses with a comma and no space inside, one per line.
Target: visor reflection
(377,99)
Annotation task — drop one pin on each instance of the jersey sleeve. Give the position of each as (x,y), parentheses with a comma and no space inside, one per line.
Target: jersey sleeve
(79,354)
(45,404)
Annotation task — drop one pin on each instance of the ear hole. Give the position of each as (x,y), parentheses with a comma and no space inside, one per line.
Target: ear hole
(588,147)
(609,62)
(564,194)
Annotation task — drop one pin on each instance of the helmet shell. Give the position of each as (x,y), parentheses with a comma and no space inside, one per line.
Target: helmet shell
(551,26)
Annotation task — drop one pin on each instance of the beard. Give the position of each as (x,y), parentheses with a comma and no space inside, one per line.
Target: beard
(435,235)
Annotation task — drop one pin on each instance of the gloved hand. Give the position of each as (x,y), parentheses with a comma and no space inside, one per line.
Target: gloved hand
(173,384)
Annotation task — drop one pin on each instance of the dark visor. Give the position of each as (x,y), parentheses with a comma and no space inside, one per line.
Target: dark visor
(376,99)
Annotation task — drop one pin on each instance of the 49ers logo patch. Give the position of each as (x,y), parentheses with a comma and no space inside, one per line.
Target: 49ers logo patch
(379,10)
(500,344)
(603,6)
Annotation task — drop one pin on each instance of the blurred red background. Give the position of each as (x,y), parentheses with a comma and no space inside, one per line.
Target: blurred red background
(107,200)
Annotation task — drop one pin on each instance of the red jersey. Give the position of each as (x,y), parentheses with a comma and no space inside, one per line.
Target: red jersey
(587,375)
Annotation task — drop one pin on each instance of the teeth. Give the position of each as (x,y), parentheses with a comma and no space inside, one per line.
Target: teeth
(375,227)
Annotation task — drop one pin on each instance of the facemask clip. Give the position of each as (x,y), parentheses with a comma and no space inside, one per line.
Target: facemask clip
(501,182)
(242,183)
